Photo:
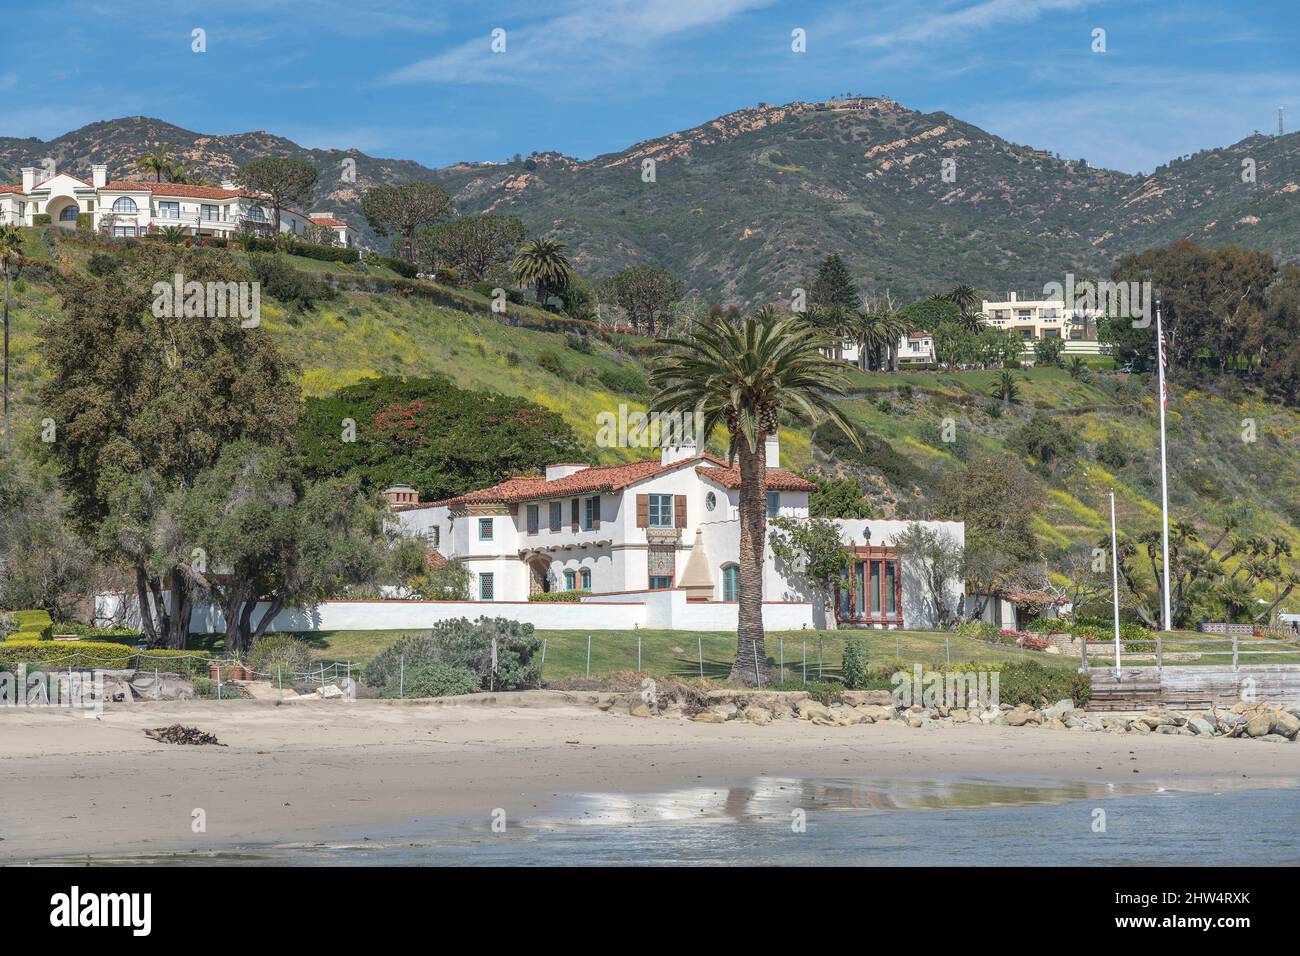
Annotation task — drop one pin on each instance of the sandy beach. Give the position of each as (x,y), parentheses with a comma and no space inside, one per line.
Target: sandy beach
(306,771)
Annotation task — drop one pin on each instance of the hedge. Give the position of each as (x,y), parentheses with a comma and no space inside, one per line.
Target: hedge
(557,597)
(42,219)
(86,654)
(308,250)
(113,635)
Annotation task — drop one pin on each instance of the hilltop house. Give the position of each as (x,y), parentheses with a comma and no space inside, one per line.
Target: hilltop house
(1035,319)
(130,208)
(624,532)
(914,348)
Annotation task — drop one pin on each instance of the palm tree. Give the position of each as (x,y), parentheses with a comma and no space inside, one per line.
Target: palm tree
(1076,367)
(11,247)
(873,338)
(159,162)
(967,301)
(542,264)
(740,376)
(1005,388)
(894,327)
(173,235)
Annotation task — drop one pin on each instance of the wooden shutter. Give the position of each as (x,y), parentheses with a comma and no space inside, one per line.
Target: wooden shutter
(679,510)
(595,511)
(575,512)
(643,511)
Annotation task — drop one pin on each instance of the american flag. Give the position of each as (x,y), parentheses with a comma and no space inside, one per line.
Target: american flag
(1164,364)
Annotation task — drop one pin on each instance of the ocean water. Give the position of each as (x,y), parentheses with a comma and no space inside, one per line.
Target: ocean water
(771,821)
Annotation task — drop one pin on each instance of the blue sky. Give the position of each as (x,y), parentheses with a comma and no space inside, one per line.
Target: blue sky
(418,80)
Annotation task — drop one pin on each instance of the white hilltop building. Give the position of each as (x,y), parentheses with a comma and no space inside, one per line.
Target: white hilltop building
(662,535)
(1036,319)
(131,208)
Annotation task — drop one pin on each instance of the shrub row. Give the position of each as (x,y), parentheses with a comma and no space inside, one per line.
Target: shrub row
(308,250)
(115,635)
(557,597)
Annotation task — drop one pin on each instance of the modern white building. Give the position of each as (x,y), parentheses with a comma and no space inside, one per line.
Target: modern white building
(131,208)
(1036,319)
(664,524)
(915,348)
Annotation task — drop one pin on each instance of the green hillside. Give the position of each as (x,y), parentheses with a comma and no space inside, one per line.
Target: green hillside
(1215,474)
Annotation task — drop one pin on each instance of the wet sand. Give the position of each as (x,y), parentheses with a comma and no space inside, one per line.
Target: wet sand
(307,771)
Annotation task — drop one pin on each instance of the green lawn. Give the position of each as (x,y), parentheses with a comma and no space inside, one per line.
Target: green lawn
(677,653)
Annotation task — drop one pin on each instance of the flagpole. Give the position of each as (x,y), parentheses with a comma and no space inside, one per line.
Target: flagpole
(1114,577)
(1164,475)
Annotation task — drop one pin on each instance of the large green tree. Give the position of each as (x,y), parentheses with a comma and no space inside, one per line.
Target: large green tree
(543,265)
(141,404)
(288,182)
(833,285)
(404,210)
(268,538)
(429,434)
(473,244)
(739,376)
(645,293)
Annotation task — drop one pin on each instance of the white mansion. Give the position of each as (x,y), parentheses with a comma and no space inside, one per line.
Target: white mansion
(671,525)
(137,208)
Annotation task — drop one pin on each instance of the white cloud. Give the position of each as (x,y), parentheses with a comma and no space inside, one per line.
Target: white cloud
(590,36)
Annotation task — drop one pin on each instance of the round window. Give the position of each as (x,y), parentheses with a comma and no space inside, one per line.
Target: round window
(710,501)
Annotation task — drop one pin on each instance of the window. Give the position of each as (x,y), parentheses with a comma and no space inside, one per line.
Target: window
(570,581)
(557,515)
(534,520)
(255,213)
(210,213)
(773,503)
(710,501)
(125,204)
(485,529)
(486,587)
(169,210)
(661,512)
(730,582)
(590,512)
(433,534)
(124,231)
(585,577)
(660,582)
(69,213)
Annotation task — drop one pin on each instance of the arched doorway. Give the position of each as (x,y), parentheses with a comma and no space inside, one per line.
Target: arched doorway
(539,574)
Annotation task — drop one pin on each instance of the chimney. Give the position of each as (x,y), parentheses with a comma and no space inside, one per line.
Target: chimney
(1013,297)
(564,469)
(29,179)
(230,185)
(401,495)
(99,175)
(680,449)
(772,450)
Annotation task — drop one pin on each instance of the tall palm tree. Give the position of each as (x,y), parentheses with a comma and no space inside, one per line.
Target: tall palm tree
(740,376)
(11,247)
(872,339)
(967,301)
(895,327)
(542,264)
(159,162)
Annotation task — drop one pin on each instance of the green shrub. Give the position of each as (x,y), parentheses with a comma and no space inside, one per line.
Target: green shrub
(42,219)
(8,625)
(280,654)
(431,679)
(282,281)
(854,667)
(557,597)
(1113,451)
(307,250)
(550,362)
(1029,682)
(466,644)
(579,343)
(824,692)
(624,380)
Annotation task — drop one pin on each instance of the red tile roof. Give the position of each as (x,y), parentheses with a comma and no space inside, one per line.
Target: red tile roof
(778,479)
(435,560)
(12,189)
(607,478)
(327,221)
(183,191)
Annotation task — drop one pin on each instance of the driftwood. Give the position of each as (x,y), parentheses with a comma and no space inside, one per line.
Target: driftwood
(179,734)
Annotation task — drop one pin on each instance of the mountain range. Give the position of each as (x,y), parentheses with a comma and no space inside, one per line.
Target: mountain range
(743,207)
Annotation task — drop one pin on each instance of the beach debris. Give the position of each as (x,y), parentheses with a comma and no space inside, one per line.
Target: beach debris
(180,734)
